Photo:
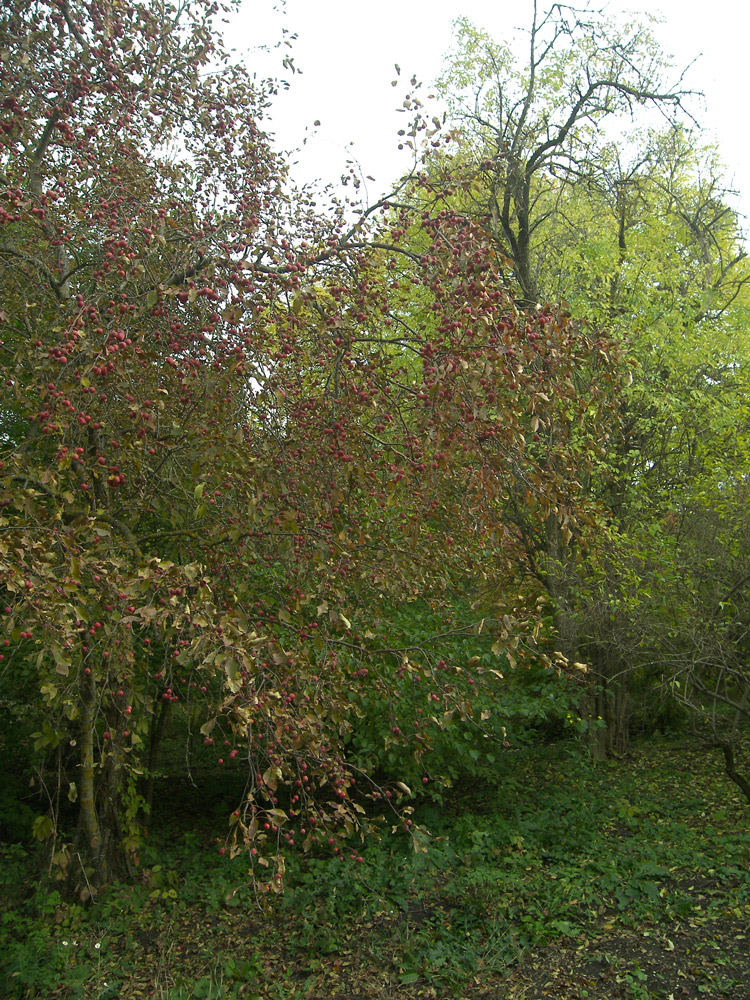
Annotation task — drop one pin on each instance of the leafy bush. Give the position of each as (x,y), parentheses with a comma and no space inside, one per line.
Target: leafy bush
(444,709)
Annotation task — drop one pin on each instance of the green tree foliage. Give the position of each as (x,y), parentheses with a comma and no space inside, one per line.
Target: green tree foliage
(533,126)
(636,235)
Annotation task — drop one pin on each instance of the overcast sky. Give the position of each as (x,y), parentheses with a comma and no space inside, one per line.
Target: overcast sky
(347,51)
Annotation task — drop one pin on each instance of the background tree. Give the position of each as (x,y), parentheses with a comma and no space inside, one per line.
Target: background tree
(637,237)
(532,129)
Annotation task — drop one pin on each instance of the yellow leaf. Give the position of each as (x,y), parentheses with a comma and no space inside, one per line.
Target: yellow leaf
(278,816)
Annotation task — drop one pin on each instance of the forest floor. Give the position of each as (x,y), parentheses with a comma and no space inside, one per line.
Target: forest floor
(564,880)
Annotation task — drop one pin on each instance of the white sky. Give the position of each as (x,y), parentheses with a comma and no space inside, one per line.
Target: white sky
(347,50)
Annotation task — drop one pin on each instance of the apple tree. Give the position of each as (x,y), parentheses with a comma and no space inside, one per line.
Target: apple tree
(231,425)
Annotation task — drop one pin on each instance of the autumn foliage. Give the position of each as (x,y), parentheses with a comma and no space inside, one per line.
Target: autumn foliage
(235,428)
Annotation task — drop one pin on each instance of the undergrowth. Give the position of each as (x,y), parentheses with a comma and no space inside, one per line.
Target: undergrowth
(555,852)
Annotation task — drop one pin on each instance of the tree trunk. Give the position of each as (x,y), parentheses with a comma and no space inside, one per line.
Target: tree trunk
(731,769)
(606,703)
(100,798)
(561,586)
(611,702)
(157,731)
(86,783)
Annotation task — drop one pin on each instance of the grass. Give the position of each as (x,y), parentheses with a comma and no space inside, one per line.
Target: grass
(629,879)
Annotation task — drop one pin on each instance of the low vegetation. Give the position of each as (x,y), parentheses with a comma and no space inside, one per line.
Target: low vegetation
(629,878)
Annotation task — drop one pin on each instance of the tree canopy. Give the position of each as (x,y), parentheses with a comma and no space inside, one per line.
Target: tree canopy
(235,431)
(631,226)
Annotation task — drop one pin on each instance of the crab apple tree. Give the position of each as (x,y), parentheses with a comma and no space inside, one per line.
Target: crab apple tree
(231,424)
(119,257)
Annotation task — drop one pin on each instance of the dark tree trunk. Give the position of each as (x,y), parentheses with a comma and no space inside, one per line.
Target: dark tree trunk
(731,770)
(109,851)
(158,726)
(611,704)
(86,781)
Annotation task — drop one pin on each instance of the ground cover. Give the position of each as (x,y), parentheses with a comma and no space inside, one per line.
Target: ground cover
(628,879)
